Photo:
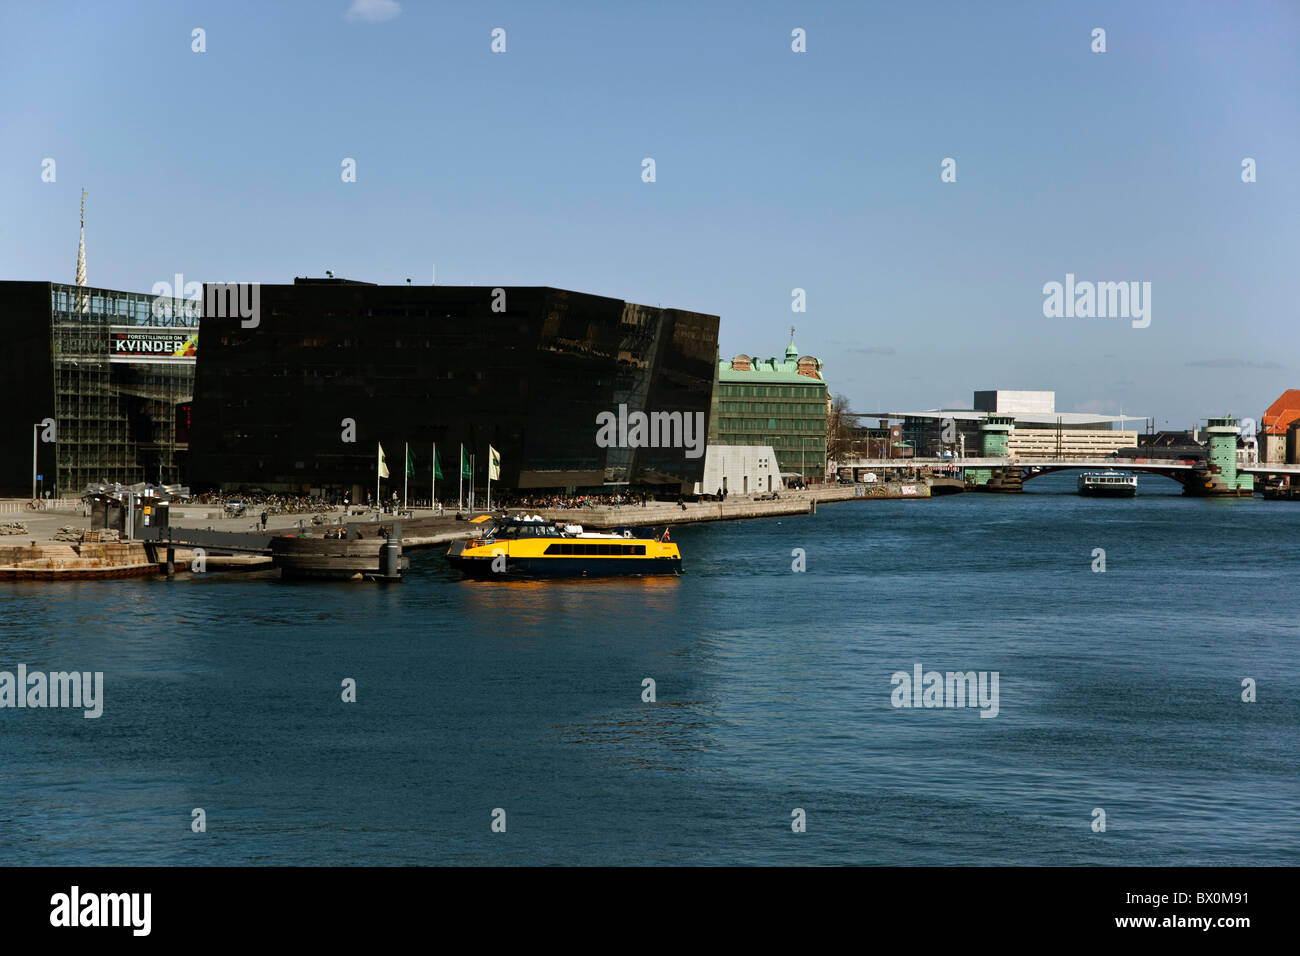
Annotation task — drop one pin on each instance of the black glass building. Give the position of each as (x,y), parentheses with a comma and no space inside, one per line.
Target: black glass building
(298,397)
(112,370)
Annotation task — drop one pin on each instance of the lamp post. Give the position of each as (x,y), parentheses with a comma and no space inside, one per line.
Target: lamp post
(35,429)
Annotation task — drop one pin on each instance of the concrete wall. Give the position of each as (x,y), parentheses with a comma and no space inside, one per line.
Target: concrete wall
(740,506)
(739,469)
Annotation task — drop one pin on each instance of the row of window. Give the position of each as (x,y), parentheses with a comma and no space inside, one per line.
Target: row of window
(809,409)
(772,424)
(772,391)
(812,442)
(119,308)
(595,549)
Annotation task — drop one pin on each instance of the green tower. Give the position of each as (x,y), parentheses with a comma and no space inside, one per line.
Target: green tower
(995,436)
(1220,476)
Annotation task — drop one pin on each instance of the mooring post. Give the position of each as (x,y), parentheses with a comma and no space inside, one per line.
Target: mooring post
(390,554)
(170,566)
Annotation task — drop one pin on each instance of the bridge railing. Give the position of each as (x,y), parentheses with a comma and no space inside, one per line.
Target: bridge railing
(1021,461)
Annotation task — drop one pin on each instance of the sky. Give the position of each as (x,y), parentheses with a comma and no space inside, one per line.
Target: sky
(774,170)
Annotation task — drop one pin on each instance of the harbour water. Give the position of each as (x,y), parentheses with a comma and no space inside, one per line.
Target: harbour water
(1118,690)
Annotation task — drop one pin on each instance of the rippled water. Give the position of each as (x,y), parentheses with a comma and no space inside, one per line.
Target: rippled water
(1118,690)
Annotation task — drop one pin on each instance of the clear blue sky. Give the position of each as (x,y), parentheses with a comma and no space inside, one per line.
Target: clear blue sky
(775,170)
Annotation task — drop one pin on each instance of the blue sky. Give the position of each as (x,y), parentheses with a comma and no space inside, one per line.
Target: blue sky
(775,170)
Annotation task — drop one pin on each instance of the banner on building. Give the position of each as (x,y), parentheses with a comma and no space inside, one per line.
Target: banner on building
(133,343)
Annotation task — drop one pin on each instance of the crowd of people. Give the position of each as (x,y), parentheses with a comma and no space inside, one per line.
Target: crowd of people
(268,503)
(629,500)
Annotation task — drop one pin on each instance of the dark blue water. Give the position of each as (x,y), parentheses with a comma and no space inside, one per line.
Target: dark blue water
(1118,690)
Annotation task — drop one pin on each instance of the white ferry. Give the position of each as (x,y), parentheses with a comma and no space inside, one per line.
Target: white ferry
(1108,484)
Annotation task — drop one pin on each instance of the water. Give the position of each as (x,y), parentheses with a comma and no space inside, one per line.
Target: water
(1118,690)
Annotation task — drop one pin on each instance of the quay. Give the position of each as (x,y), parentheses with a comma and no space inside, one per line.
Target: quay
(735,507)
(294,546)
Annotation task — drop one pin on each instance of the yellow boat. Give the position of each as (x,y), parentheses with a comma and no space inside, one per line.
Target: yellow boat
(531,546)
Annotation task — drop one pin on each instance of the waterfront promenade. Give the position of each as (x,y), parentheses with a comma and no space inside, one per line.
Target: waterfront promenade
(44,552)
(735,507)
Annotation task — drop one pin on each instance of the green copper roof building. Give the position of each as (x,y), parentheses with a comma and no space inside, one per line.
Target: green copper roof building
(778,402)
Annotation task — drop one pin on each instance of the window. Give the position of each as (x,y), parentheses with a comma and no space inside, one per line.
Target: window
(594,550)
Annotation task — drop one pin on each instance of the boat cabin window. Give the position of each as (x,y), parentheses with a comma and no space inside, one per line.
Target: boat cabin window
(589,550)
(529,531)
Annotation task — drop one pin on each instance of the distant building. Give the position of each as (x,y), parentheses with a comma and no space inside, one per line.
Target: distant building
(868,442)
(115,378)
(1273,426)
(1167,444)
(1004,401)
(779,403)
(1037,430)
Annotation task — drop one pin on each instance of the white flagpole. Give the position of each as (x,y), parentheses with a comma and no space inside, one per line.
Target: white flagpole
(433,478)
(405,473)
(460,472)
(378,462)
(489,505)
(471,481)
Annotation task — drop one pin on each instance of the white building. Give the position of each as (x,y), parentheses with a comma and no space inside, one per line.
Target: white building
(1015,402)
(739,469)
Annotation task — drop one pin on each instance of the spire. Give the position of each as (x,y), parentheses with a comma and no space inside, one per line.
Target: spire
(81,247)
(791,352)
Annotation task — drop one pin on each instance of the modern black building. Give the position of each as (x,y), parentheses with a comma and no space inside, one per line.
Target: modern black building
(297,397)
(110,370)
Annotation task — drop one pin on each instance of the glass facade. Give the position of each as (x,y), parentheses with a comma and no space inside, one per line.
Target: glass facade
(74,359)
(333,368)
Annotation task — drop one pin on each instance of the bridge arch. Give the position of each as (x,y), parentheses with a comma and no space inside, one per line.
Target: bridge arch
(1037,471)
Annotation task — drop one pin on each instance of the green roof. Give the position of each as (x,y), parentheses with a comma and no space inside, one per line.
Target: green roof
(767,372)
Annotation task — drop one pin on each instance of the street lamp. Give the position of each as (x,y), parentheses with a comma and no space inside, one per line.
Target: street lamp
(35,430)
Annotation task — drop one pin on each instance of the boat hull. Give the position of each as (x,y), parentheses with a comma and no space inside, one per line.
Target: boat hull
(564,567)
(1108,491)
(529,547)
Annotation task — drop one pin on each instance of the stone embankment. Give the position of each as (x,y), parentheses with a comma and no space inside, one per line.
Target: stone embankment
(735,506)
(80,561)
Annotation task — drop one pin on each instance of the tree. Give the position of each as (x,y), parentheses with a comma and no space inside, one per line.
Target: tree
(839,430)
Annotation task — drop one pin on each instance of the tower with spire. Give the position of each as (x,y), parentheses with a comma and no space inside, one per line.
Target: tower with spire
(84,304)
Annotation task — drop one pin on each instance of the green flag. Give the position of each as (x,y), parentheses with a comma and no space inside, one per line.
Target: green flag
(437,467)
(464,464)
(410,463)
